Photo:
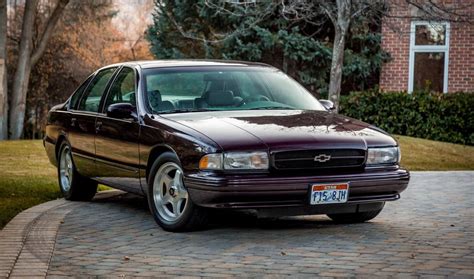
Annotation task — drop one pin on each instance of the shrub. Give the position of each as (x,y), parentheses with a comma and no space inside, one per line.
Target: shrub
(437,116)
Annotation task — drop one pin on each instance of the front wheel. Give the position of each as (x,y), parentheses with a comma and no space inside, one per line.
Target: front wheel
(358,217)
(168,198)
(73,185)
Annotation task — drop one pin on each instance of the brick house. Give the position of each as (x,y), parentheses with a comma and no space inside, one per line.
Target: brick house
(434,55)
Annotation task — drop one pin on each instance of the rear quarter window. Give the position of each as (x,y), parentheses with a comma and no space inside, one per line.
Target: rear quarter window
(76,96)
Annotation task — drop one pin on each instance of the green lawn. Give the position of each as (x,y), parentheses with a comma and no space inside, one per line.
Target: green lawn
(422,154)
(27,178)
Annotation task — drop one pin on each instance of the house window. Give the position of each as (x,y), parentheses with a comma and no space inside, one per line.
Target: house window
(429,53)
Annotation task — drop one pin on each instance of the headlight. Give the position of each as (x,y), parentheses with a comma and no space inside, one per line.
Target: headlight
(386,155)
(211,162)
(235,161)
(246,161)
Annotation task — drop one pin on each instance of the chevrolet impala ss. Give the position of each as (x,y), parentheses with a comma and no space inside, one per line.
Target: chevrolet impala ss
(194,135)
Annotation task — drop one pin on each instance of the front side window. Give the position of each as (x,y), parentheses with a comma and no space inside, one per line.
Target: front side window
(429,52)
(92,95)
(123,88)
(184,89)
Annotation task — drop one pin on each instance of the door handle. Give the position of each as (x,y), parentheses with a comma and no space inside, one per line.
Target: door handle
(98,125)
(73,122)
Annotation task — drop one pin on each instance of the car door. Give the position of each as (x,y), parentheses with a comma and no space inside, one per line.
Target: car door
(117,154)
(81,134)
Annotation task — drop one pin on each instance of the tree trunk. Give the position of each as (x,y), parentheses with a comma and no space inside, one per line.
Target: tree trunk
(27,58)
(341,25)
(3,71)
(22,73)
(336,69)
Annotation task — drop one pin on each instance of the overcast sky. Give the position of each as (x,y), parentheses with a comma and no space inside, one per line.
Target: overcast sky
(133,17)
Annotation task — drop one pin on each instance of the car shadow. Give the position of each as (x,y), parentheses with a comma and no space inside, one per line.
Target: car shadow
(224,218)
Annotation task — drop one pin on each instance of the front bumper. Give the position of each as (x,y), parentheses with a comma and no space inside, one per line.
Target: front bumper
(270,191)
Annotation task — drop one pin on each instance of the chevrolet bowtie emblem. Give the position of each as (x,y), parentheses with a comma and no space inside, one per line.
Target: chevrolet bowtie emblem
(322,158)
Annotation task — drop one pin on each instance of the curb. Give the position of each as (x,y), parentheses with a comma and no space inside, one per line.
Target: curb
(27,241)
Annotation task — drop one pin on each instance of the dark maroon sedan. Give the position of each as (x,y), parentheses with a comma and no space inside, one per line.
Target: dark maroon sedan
(195,135)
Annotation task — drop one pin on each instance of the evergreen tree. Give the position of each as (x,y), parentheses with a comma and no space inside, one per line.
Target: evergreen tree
(192,29)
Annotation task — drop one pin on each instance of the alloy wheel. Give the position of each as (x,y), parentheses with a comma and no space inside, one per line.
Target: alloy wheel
(65,169)
(169,194)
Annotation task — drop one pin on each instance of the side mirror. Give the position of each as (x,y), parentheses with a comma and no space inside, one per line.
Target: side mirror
(122,111)
(327,104)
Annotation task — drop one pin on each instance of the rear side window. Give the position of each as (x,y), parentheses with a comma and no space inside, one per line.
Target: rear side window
(93,94)
(78,93)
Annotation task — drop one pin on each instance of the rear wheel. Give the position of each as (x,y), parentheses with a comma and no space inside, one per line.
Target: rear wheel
(74,186)
(359,217)
(168,198)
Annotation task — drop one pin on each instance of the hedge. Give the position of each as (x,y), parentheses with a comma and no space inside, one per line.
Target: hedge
(437,116)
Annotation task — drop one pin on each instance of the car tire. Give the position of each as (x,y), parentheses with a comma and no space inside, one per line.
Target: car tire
(358,217)
(168,199)
(73,185)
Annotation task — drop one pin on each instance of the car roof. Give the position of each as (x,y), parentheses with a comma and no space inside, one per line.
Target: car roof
(188,63)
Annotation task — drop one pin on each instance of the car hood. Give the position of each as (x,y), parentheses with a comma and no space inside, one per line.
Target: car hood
(283,129)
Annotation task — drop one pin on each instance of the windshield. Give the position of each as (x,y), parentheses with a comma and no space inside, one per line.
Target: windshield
(187,89)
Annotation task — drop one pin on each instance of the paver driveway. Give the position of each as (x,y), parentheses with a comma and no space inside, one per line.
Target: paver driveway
(429,232)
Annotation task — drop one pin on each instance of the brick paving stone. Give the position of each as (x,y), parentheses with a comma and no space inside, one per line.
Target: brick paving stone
(27,242)
(428,233)
(396,244)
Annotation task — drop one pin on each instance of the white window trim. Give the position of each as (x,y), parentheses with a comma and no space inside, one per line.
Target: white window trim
(427,48)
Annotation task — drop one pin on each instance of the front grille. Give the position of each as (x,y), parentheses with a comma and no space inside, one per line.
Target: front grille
(305,159)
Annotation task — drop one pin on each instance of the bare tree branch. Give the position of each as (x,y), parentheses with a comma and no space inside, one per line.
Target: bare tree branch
(329,12)
(48,31)
(317,12)
(457,11)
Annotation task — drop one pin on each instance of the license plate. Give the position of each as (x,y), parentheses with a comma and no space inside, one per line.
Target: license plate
(329,193)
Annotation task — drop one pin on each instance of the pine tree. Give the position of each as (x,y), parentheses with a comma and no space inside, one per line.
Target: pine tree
(192,29)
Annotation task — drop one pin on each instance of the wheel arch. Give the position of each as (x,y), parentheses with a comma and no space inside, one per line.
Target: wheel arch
(156,152)
(60,140)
